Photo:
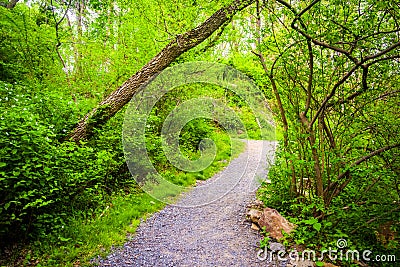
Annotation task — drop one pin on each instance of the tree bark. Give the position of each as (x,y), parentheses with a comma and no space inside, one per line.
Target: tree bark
(12,4)
(9,5)
(182,43)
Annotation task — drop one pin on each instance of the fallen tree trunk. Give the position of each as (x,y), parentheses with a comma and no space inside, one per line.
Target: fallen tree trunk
(182,43)
(9,5)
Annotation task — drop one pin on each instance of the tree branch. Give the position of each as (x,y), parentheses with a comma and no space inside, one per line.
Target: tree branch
(182,43)
(12,4)
(349,73)
(340,188)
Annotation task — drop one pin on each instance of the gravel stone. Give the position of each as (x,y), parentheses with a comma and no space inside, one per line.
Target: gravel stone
(206,226)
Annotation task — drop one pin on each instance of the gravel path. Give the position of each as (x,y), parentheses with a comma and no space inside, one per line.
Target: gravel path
(207,226)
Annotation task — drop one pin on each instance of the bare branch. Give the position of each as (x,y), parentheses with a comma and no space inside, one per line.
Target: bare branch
(348,74)
(346,173)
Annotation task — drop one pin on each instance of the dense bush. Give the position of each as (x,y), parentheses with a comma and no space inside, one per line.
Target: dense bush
(366,215)
(54,70)
(43,181)
(46,182)
(27,48)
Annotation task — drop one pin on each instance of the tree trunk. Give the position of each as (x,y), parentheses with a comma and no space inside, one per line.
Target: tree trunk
(12,4)
(80,12)
(182,43)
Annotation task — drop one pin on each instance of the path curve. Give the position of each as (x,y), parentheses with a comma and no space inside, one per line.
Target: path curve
(215,234)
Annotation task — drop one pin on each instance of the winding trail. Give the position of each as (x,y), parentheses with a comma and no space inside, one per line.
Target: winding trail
(207,226)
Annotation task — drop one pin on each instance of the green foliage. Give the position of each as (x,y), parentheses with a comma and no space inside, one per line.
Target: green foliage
(54,69)
(26,48)
(264,242)
(337,157)
(49,187)
(366,225)
(42,181)
(80,240)
(192,134)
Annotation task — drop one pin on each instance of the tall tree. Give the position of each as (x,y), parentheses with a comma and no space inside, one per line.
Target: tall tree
(181,43)
(332,82)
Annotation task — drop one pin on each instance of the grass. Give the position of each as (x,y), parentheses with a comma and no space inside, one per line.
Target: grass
(83,239)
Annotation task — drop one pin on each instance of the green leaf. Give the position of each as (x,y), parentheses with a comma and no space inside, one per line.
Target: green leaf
(317,226)
(63,239)
(319,263)
(3,164)
(311,221)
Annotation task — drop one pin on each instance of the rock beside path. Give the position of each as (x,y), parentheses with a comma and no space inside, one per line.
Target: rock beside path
(269,220)
(274,223)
